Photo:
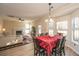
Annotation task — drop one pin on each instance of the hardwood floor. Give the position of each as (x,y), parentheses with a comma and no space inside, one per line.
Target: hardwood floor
(27,50)
(70,52)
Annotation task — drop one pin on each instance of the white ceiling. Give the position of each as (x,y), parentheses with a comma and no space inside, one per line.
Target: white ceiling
(26,9)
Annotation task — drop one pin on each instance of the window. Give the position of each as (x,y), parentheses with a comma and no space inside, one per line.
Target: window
(50,31)
(62,27)
(51,27)
(27,28)
(75,29)
(39,29)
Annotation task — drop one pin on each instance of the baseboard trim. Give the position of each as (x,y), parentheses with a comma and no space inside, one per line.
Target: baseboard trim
(12,46)
(72,49)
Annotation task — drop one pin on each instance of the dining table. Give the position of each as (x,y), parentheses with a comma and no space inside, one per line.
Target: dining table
(48,42)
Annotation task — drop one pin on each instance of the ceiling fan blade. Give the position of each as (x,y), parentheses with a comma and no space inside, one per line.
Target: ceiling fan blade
(21,19)
(10,16)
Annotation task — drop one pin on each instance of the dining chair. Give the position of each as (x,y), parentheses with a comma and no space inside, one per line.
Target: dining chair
(41,34)
(38,50)
(46,33)
(54,50)
(60,47)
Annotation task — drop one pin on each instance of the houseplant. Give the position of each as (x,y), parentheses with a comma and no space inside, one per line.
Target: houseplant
(33,31)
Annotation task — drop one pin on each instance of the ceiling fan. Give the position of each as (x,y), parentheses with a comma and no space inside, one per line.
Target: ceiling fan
(20,19)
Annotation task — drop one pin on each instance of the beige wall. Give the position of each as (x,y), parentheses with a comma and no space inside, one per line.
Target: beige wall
(41,21)
(71,44)
(69,41)
(1,25)
(67,17)
(11,28)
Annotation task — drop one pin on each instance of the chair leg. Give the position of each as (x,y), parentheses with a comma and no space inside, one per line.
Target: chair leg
(55,52)
(34,52)
(60,52)
(44,53)
(64,51)
(39,53)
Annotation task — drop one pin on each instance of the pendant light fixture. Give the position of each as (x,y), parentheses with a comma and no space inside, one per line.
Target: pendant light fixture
(50,7)
(49,14)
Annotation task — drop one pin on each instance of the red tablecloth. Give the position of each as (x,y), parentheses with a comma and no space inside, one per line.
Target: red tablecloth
(48,42)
